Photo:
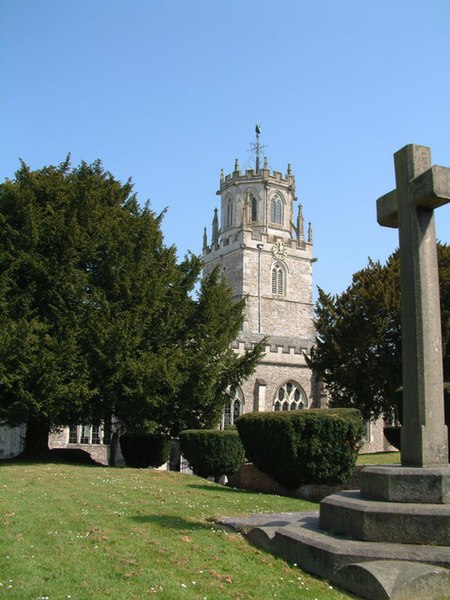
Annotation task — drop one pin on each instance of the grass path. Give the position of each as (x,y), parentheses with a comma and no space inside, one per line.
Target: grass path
(101,533)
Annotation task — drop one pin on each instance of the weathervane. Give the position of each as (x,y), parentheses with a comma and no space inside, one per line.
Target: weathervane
(257,147)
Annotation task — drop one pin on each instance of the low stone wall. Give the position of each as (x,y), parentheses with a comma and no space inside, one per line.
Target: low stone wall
(251,478)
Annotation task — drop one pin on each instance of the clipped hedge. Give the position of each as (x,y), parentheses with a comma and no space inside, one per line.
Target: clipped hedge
(211,452)
(393,434)
(143,450)
(300,447)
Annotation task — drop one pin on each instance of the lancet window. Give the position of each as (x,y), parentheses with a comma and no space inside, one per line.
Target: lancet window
(254,209)
(229,217)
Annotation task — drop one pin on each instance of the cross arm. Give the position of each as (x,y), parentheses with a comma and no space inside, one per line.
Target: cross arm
(429,190)
(387,209)
(432,188)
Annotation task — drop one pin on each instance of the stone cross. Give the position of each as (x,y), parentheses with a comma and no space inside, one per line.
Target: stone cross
(420,189)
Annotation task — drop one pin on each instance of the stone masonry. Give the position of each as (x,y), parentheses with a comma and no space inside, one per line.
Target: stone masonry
(266,259)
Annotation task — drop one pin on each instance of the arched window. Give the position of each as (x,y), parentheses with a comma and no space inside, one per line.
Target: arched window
(233,408)
(276,210)
(254,209)
(278,279)
(229,213)
(290,396)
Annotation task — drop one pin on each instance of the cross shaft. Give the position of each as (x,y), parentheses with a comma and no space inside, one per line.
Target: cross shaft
(410,207)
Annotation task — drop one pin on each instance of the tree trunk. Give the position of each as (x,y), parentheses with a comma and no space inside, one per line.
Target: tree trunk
(36,438)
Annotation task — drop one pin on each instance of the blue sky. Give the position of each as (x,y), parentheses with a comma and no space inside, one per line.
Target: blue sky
(167,92)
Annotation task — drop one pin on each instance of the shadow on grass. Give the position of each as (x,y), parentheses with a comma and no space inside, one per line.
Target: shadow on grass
(171,522)
(70,456)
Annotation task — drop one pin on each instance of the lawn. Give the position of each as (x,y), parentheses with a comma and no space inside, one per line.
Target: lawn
(379,458)
(84,532)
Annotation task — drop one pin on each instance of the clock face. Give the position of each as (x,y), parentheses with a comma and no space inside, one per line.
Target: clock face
(279,249)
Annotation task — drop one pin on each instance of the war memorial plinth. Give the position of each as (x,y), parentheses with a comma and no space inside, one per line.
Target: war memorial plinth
(391,538)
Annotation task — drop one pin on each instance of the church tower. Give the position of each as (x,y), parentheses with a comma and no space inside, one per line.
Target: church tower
(258,241)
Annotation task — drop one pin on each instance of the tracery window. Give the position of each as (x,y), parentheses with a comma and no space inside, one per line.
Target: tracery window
(278,279)
(290,396)
(276,210)
(233,408)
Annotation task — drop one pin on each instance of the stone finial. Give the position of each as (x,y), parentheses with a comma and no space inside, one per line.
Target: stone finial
(215,229)
(289,170)
(300,224)
(222,176)
(266,163)
(310,233)
(205,239)
(237,168)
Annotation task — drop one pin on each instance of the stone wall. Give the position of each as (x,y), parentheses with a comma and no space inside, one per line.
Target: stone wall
(375,440)
(99,452)
(250,477)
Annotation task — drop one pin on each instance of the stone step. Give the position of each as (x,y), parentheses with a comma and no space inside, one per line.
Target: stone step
(348,513)
(323,554)
(396,483)
(395,580)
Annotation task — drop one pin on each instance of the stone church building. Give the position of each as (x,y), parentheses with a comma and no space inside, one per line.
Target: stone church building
(262,246)
(258,242)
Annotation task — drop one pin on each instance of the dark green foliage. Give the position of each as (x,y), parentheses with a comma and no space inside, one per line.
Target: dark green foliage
(392,434)
(206,360)
(143,450)
(212,452)
(98,318)
(358,349)
(299,447)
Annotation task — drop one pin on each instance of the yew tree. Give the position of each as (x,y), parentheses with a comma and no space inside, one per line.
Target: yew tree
(97,316)
(358,347)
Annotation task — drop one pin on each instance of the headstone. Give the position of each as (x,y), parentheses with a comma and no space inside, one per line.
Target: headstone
(410,207)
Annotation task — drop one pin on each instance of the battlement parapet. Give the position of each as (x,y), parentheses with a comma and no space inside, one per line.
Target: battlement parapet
(234,237)
(275,344)
(264,176)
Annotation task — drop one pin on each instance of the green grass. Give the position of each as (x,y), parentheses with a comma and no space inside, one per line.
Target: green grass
(91,533)
(379,458)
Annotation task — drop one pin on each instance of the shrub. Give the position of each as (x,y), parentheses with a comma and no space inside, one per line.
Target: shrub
(143,450)
(393,434)
(308,446)
(212,452)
